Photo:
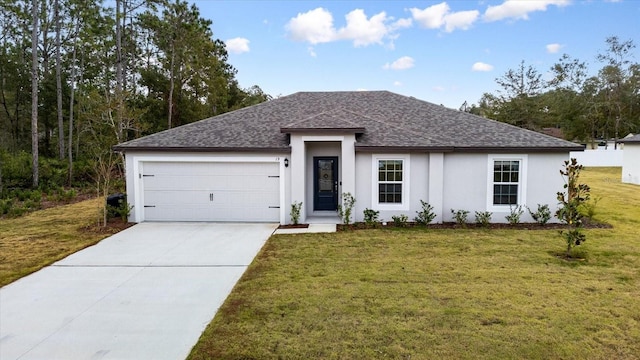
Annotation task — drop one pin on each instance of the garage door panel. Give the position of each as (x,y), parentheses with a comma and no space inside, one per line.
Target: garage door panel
(210,169)
(206,183)
(191,213)
(168,197)
(184,191)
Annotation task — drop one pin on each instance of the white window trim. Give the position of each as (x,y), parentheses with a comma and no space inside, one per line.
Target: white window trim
(406,176)
(522,184)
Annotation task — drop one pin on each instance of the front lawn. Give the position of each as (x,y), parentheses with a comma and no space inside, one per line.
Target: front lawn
(40,238)
(450,293)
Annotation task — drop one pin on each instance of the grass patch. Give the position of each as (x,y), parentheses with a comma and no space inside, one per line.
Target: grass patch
(41,238)
(441,293)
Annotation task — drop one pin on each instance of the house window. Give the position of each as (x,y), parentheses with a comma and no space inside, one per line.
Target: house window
(390,190)
(507,181)
(390,181)
(506,178)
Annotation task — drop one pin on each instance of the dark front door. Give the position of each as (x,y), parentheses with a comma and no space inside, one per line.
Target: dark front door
(325,183)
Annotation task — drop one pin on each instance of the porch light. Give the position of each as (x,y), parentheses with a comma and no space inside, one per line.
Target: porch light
(286,162)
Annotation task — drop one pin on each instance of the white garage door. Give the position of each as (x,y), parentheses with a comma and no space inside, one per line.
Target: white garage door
(206,191)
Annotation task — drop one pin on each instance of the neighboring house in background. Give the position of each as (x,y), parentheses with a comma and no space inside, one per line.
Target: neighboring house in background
(631,160)
(389,151)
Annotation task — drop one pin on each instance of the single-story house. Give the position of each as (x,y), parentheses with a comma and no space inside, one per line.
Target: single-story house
(389,151)
(631,160)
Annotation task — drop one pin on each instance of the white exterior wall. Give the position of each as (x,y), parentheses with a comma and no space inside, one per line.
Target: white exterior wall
(467,187)
(135,169)
(465,184)
(447,181)
(303,148)
(599,157)
(543,183)
(631,163)
(366,182)
(436,185)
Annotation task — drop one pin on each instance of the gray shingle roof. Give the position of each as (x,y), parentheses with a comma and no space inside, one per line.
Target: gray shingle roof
(633,139)
(383,120)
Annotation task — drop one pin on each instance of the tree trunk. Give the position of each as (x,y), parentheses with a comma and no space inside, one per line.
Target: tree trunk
(171,86)
(71,100)
(59,83)
(123,44)
(46,73)
(119,72)
(34,93)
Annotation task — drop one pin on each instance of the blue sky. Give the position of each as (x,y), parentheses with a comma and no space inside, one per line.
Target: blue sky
(442,52)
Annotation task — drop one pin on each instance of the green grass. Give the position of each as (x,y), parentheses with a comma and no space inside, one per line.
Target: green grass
(457,294)
(43,237)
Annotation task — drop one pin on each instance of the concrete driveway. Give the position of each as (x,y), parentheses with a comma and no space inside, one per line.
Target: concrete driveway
(145,293)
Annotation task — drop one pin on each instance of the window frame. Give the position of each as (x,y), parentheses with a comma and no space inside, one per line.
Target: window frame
(375,183)
(522,180)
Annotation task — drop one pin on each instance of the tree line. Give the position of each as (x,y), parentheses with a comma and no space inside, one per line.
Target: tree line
(584,106)
(79,76)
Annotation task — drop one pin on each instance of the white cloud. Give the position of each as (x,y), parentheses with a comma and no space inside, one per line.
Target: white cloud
(364,31)
(431,17)
(440,15)
(518,9)
(554,48)
(237,45)
(314,26)
(460,20)
(438,88)
(480,66)
(402,23)
(403,63)
(312,51)
(397,83)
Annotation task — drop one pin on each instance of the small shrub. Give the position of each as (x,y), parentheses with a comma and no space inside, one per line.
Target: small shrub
(35,196)
(371,216)
(68,195)
(570,202)
(514,214)
(400,220)
(542,215)
(345,210)
(5,206)
(460,216)
(483,218)
(295,212)
(123,210)
(426,215)
(17,211)
(31,205)
(20,194)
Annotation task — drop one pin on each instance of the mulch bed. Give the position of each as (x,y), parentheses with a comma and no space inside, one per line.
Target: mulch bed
(292,226)
(453,225)
(114,225)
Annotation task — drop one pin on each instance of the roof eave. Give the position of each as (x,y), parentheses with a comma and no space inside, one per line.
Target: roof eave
(470,149)
(399,149)
(125,149)
(527,149)
(355,130)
